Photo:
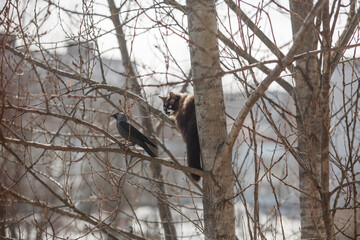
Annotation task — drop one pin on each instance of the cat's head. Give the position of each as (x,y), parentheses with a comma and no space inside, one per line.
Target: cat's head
(171,103)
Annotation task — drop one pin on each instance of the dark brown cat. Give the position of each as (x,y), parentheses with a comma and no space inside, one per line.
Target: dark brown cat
(182,107)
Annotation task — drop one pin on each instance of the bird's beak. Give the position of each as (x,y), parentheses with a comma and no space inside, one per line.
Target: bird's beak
(114,116)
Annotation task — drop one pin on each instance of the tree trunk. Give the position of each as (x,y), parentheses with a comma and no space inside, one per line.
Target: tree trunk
(325,120)
(3,216)
(309,123)
(218,184)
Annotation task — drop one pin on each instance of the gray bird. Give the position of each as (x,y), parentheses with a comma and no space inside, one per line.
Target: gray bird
(131,134)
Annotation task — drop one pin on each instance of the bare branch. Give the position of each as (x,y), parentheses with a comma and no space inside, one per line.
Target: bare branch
(234,132)
(352,23)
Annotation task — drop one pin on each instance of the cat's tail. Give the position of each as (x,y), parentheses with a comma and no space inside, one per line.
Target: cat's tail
(193,155)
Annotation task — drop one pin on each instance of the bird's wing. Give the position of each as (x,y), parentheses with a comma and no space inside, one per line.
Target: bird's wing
(134,133)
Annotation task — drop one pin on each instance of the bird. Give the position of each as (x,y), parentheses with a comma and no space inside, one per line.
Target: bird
(130,133)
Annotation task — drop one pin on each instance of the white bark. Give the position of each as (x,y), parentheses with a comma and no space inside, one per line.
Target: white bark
(218,184)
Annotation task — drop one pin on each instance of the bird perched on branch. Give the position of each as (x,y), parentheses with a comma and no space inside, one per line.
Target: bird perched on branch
(130,133)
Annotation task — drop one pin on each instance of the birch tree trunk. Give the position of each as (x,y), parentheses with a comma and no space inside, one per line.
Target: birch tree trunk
(309,122)
(326,124)
(218,184)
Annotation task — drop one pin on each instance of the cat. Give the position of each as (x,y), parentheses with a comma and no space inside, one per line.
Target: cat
(182,107)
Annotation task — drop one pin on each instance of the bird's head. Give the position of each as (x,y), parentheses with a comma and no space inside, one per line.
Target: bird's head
(120,116)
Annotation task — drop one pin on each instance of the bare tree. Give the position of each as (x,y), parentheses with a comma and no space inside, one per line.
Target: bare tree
(211,120)
(312,77)
(164,208)
(277,163)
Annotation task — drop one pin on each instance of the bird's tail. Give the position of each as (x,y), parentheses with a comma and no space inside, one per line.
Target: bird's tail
(148,150)
(193,154)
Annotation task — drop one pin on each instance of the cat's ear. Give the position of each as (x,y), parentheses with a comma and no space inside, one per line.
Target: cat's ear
(162,98)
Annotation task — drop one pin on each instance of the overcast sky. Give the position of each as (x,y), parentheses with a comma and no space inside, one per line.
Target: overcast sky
(147,47)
